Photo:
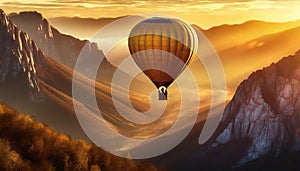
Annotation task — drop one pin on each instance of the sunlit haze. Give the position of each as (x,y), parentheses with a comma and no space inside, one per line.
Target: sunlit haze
(203,13)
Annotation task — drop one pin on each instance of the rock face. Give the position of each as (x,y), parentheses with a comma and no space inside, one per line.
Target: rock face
(61,47)
(265,111)
(16,53)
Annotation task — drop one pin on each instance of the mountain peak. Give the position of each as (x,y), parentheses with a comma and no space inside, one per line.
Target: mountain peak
(36,22)
(28,14)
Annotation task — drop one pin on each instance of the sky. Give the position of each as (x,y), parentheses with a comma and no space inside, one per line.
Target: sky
(205,13)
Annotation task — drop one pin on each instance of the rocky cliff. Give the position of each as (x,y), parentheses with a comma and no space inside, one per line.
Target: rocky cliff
(61,47)
(16,54)
(265,111)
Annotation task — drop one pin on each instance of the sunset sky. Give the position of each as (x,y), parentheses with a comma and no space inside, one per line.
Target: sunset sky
(205,13)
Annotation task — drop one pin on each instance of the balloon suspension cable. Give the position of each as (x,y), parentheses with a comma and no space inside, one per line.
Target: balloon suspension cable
(162,93)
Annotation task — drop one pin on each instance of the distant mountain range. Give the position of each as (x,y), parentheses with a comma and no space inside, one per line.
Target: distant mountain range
(228,36)
(257,53)
(231,34)
(80,27)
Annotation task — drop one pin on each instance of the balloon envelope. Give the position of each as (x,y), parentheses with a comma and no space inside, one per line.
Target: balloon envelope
(162,48)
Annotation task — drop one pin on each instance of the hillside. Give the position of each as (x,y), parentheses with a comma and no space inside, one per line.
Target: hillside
(26,144)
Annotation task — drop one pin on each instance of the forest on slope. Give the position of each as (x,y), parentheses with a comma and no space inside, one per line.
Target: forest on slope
(26,144)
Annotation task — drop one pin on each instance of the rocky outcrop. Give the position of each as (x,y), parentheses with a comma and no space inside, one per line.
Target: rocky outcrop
(17,53)
(61,47)
(265,111)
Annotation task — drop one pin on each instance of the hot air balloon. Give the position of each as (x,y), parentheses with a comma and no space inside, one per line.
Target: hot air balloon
(162,48)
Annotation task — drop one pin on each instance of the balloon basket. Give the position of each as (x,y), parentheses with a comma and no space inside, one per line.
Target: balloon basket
(162,93)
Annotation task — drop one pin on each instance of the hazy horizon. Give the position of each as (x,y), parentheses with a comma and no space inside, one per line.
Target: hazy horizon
(212,26)
(205,14)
